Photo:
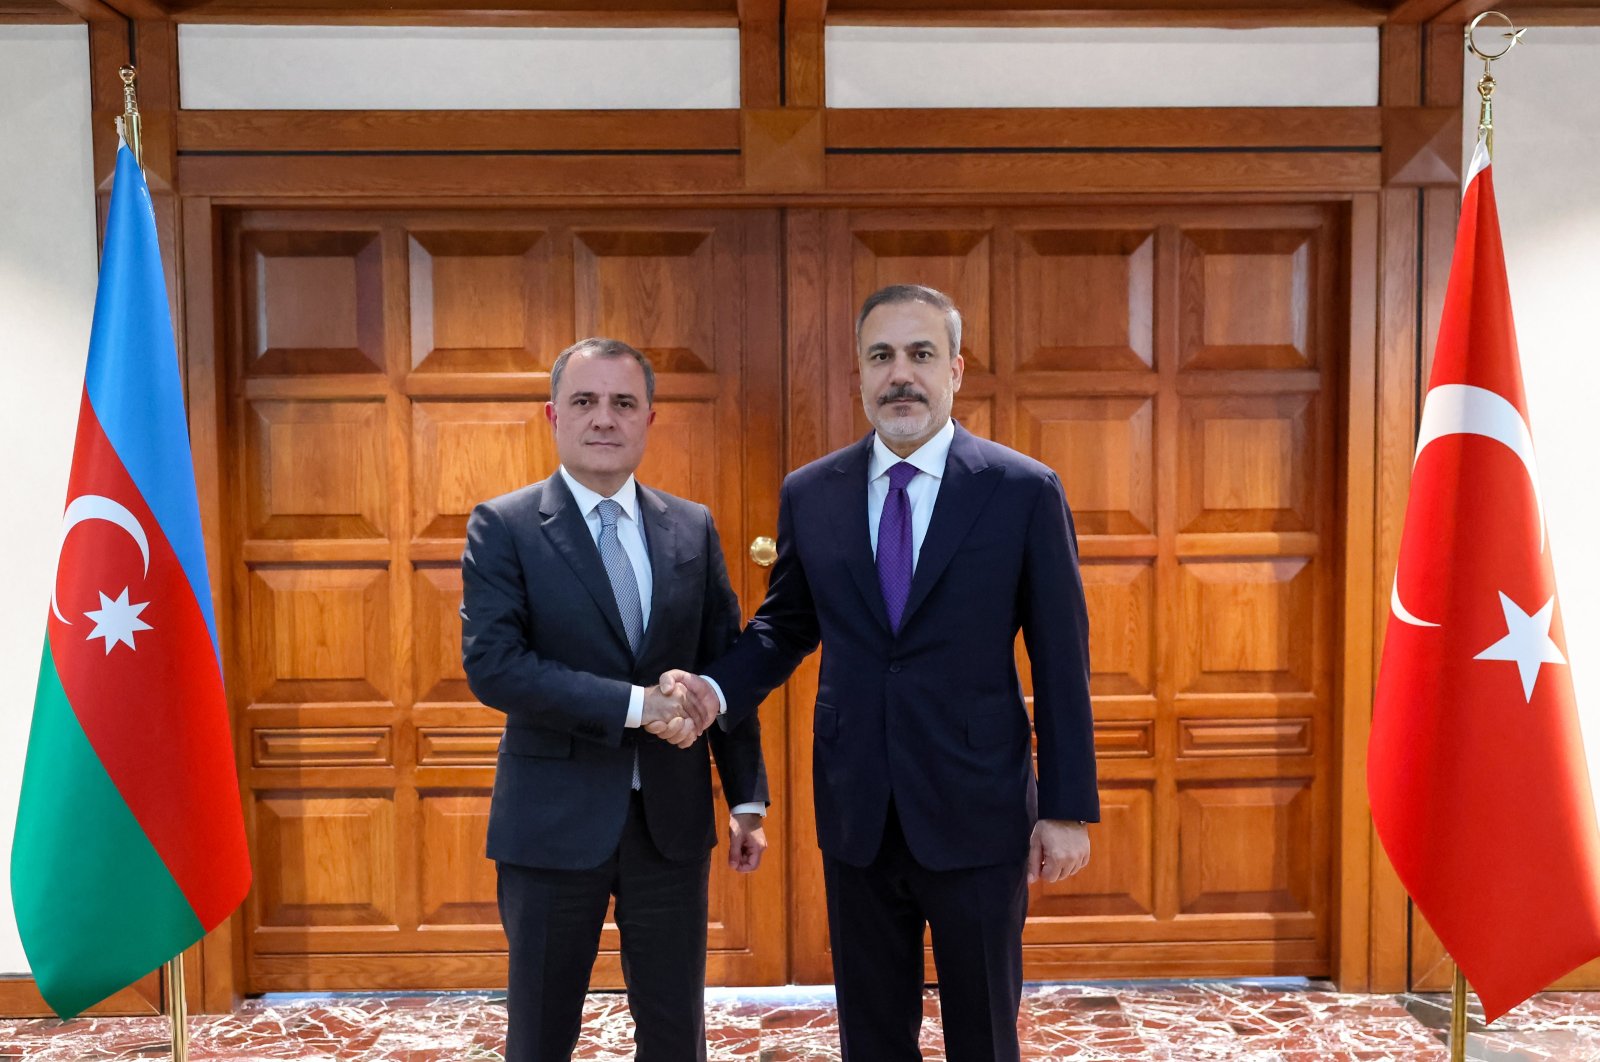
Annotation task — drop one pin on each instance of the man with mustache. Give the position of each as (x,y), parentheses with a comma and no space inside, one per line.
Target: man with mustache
(914,556)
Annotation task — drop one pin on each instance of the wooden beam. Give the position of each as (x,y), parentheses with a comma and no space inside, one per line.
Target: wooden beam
(291,132)
(1541,13)
(760,53)
(1104,173)
(581,13)
(412,177)
(1036,13)
(145,10)
(1415,12)
(37,13)
(804,61)
(1108,127)
(92,10)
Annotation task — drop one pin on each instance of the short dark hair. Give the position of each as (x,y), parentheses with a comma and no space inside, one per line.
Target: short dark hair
(898,293)
(601,347)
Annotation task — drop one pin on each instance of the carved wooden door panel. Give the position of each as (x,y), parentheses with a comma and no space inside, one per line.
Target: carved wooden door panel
(386,371)
(1178,367)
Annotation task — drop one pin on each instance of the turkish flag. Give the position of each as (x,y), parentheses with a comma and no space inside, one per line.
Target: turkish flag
(1476,767)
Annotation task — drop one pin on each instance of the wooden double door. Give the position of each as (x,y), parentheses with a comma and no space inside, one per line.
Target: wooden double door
(1177,364)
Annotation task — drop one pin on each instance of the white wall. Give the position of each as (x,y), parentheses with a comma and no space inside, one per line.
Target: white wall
(47,279)
(1547,186)
(437,67)
(947,66)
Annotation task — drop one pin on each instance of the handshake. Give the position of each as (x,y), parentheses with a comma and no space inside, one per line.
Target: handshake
(679,709)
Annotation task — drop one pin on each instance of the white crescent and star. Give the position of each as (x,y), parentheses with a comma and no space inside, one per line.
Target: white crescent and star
(1459,409)
(116,620)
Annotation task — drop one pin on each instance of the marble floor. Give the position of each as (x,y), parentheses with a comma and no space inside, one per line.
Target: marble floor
(1271,1021)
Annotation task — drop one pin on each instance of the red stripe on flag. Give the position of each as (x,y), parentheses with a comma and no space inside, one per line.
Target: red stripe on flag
(155,713)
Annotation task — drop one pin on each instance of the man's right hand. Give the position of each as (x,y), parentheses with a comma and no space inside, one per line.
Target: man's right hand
(703,703)
(668,716)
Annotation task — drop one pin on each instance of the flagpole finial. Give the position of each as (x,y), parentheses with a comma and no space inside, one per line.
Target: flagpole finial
(1512,36)
(128,121)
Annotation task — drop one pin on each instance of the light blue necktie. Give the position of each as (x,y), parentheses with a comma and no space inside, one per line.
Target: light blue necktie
(624,585)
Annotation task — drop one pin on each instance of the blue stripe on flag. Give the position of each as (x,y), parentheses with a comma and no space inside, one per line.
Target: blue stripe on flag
(132,377)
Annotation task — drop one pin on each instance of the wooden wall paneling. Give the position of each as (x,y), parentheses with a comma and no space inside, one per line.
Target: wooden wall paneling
(242,132)
(1401,82)
(1441,85)
(804,53)
(20,998)
(759,476)
(1109,173)
(580,14)
(219,967)
(411,177)
(761,55)
(1358,481)
(817,365)
(52,13)
(1330,128)
(1070,386)
(109,50)
(363,735)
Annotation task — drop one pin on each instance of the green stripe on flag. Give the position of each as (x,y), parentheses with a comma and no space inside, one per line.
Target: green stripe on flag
(95,905)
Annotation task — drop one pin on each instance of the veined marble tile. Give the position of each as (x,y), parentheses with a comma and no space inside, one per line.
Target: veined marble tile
(1159,1021)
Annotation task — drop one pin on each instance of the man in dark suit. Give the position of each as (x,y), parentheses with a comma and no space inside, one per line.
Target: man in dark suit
(914,556)
(576,591)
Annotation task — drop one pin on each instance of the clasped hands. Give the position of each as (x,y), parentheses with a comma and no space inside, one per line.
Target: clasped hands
(679,709)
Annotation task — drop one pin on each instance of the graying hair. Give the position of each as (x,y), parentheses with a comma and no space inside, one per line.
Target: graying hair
(601,347)
(898,293)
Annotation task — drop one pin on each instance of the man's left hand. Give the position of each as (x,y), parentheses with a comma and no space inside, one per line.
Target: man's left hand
(747,840)
(1059,849)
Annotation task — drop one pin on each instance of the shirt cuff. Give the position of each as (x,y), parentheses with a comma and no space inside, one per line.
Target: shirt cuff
(635,708)
(722,702)
(756,808)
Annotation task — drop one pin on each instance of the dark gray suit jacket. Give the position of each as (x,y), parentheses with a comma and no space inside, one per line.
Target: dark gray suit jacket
(543,642)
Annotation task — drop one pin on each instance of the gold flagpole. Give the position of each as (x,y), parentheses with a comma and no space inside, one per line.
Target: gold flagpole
(1512,36)
(128,120)
(128,127)
(1458,1018)
(178,1008)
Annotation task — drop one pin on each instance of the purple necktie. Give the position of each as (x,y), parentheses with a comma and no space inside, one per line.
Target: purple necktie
(894,544)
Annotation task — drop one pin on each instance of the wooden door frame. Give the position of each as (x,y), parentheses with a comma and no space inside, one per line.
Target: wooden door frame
(1396,165)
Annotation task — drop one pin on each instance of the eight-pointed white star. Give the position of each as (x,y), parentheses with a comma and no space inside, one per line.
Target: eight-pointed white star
(1527,642)
(115,621)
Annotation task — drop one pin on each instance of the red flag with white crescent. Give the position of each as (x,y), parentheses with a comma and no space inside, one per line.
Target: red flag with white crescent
(1476,766)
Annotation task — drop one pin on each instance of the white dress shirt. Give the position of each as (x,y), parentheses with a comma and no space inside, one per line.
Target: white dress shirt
(631,535)
(921,492)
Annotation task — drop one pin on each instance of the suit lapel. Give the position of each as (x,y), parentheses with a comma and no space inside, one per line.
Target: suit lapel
(968,482)
(661,536)
(567,531)
(848,506)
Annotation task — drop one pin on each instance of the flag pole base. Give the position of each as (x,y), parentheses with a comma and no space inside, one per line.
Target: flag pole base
(1458,1018)
(178,1009)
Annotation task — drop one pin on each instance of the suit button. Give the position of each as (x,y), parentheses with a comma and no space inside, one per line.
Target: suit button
(894,669)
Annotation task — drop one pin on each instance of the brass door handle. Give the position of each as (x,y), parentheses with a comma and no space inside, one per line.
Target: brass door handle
(764,551)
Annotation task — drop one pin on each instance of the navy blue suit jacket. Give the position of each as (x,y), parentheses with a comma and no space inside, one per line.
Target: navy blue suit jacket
(543,642)
(934,715)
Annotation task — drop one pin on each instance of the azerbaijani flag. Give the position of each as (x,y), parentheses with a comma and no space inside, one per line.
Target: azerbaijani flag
(130,840)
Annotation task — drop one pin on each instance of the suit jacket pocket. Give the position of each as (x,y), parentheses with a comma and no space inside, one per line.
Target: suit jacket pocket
(825,724)
(993,728)
(537,741)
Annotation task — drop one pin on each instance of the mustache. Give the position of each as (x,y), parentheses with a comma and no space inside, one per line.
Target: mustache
(903,393)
